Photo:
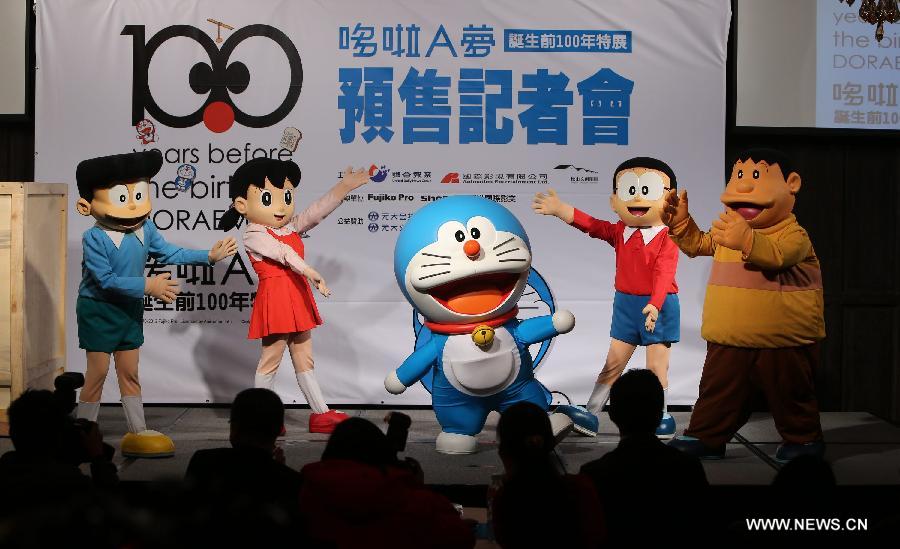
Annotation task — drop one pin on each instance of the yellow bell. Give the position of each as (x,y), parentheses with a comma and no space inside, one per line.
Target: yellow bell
(483,336)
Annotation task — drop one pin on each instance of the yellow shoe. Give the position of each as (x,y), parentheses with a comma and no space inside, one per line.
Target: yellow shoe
(147,444)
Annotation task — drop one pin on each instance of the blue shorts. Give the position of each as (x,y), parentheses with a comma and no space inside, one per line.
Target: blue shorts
(628,320)
(108,326)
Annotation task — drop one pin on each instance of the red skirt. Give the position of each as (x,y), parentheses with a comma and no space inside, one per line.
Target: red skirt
(284,305)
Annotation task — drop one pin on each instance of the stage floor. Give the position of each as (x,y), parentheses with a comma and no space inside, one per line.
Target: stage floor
(862,448)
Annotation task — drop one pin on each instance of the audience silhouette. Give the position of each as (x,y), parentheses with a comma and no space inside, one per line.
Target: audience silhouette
(361,494)
(49,446)
(538,505)
(646,487)
(253,467)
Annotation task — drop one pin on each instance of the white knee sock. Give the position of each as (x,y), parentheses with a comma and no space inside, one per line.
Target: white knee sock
(264,381)
(665,402)
(134,413)
(88,410)
(598,398)
(310,389)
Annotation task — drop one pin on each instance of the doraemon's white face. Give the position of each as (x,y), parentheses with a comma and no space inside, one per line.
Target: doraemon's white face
(187,171)
(473,272)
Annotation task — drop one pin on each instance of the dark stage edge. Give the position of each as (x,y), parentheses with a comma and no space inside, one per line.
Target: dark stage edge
(862,449)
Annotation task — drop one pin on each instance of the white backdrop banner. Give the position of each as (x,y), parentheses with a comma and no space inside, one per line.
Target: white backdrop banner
(434,97)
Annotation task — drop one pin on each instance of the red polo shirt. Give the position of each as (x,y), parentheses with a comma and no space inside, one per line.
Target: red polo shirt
(641,269)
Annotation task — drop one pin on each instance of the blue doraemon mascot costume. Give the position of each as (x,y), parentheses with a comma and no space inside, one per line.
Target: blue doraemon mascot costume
(463,262)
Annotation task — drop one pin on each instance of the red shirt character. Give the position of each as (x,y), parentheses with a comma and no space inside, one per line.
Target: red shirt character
(645,261)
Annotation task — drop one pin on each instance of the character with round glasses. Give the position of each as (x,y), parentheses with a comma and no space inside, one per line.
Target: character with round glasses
(646,311)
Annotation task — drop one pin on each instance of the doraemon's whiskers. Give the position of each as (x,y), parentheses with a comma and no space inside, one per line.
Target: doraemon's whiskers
(435,264)
(512,259)
(435,274)
(508,251)
(435,255)
(507,241)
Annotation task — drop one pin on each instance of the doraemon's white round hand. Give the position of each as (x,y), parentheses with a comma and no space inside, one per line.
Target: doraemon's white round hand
(563,321)
(393,384)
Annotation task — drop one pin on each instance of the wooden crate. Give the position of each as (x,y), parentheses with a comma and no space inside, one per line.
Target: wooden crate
(32,287)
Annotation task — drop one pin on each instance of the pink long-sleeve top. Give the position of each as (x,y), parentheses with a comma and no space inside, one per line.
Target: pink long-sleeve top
(260,244)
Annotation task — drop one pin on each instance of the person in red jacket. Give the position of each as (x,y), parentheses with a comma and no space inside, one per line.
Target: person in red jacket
(646,310)
(361,495)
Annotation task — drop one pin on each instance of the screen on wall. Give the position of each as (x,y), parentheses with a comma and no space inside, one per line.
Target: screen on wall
(13,51)
(815,64)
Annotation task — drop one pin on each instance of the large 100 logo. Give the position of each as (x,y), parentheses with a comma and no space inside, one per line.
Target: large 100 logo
(218,78)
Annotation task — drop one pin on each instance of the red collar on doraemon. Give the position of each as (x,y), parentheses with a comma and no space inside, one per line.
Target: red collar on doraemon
(452,329)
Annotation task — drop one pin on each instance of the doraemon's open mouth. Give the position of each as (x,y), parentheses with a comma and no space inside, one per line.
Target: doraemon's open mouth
(477,294)
(747,210)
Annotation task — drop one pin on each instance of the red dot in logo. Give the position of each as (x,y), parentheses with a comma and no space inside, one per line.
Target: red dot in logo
(218,116)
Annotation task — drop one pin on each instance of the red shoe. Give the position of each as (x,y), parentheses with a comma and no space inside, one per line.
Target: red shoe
(325,423)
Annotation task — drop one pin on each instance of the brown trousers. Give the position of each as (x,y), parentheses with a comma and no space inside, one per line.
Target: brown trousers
(733,377)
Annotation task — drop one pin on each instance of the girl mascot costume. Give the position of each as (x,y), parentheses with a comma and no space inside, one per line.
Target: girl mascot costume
(284,312)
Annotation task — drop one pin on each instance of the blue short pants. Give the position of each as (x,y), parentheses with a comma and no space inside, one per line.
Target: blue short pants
(628,320)
(107,326)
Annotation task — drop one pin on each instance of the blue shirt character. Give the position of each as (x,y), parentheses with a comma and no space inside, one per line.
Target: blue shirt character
(112,268)
(115,190)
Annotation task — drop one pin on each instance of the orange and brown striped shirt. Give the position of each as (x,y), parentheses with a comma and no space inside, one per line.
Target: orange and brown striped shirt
(770,298)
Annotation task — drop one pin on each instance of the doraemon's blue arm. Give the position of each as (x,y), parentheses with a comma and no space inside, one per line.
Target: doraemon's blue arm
(542,328)
(413,368)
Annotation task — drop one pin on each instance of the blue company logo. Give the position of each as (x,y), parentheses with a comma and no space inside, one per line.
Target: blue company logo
(373,227)
(373,216)
(537,299)
(376,174)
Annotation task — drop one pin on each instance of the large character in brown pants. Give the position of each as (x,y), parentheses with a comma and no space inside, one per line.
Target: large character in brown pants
(763,314)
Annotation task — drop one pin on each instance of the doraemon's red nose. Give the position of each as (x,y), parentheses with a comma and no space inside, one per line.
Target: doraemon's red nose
(472,248)
(218,116)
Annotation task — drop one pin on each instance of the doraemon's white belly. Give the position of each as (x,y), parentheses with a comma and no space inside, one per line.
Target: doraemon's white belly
(480,372)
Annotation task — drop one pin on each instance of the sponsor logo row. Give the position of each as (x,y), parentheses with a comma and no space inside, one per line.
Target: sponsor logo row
(380,173)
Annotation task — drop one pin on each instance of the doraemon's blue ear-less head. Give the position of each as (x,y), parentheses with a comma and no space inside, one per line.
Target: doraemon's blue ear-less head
(187,171)
(462,259)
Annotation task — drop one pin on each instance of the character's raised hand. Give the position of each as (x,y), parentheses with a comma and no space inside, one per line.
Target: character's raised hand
(546,204)
(224,248)
(162,287)
(675,208)
(316,280)
(732,231)
(551,204)
(652,316)
(354,179)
